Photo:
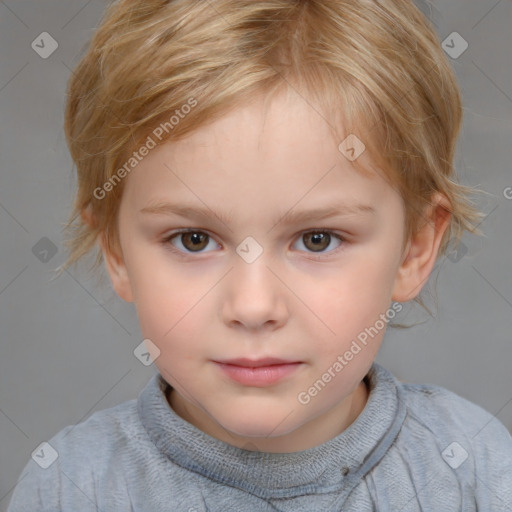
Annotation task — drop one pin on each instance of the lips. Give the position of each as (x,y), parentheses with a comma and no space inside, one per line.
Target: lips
(257,372)
(256,363)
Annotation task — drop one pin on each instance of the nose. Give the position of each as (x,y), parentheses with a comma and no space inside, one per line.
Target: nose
(256,298)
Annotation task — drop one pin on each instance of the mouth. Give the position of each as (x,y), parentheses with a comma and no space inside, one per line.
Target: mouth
(257,372)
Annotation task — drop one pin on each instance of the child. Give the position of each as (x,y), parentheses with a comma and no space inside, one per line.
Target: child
(269,180)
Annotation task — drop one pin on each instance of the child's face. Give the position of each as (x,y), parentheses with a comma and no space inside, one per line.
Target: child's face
(304,299)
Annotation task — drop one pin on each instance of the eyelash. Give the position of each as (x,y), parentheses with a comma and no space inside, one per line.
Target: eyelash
(166,241)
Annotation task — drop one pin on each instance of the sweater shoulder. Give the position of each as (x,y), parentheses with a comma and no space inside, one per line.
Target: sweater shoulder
(442,411)
(71,465)
(449,453)
(451,428)
(100,437)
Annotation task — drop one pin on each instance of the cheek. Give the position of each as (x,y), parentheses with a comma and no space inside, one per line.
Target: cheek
(358,293)
(175,323)
(168,303)
(169,316)
(350,303)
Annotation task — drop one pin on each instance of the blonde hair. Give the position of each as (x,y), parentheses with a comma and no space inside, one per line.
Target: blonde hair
(377,65)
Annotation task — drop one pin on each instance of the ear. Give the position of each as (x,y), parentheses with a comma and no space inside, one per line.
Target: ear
(422,250)
(88,216)
(116,269)
(115,264)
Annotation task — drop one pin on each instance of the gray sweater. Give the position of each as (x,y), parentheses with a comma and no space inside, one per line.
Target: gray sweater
(413,448)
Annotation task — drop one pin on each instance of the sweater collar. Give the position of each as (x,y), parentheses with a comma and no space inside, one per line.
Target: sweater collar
(330,467)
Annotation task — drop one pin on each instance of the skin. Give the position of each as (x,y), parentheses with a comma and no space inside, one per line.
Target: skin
(297,301)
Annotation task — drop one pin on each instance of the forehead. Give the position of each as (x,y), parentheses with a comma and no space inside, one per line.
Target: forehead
(270,128)
(255,156)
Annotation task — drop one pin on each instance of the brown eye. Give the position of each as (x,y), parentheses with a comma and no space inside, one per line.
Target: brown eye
(188,241)
(317,242)
(194,241)
(322,242)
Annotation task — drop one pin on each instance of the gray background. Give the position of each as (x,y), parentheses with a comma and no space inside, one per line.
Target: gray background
(67,345)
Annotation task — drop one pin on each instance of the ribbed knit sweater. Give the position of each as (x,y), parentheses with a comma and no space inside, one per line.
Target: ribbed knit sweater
(412,448)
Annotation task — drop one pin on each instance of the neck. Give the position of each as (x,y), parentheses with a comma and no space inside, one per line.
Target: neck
(317,431)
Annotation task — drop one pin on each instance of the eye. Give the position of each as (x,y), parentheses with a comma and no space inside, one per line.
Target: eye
(319,240)
(194,241)
(191,240)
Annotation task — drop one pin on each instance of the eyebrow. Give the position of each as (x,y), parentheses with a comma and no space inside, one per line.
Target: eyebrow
(291,217)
